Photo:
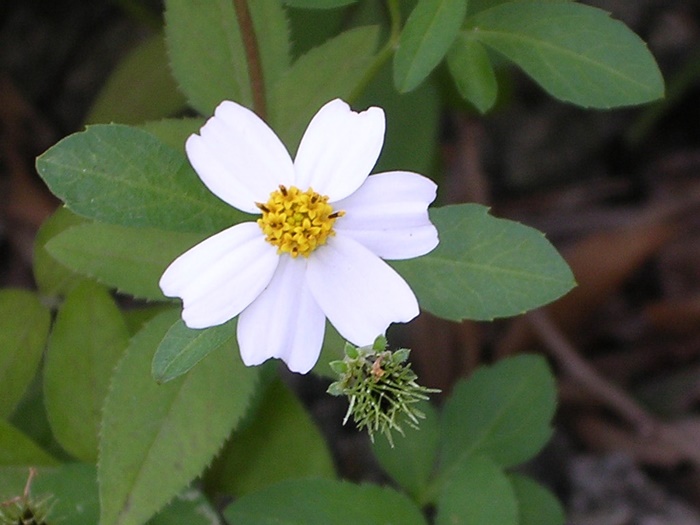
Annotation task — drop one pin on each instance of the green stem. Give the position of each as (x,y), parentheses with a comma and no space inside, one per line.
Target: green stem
(250,44)
(384,54)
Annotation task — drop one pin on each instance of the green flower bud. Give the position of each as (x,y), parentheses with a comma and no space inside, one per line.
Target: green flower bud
(351,351)
(380,343)
(381,388)
(339,367)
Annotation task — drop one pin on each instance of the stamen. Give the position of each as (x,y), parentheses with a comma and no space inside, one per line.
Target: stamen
(296,221)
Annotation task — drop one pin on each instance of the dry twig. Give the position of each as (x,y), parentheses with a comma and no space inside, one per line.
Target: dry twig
(647,426)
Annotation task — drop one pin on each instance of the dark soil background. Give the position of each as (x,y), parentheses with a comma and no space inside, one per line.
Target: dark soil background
(618,192)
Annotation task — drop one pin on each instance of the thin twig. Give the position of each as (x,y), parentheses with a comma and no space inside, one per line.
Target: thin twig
(28,485)
(648,426)
(577,367)
(252,52)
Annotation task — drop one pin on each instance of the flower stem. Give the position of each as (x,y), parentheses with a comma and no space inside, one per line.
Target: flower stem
(252,52)
(384,54)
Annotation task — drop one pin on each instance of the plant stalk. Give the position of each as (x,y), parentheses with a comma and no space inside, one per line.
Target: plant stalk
(252,52)
(384,54)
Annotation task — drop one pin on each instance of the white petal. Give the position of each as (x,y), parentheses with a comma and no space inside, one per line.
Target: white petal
(339,149)
(221,275)
(359,293)
(239,158)
(284,321)
(389,215)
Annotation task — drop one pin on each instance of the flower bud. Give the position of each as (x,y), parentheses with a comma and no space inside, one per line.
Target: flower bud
(381,388)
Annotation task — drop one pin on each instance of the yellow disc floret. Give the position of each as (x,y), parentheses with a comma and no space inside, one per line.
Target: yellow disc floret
(296,221)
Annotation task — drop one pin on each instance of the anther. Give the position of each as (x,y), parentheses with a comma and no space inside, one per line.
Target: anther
(297,222)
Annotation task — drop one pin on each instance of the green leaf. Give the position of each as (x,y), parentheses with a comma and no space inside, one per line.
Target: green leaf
(24,326)
(182,348)
(412,459)
(16,449)
(206,52)
(318,4)
(12,481)
(73,487)
(157,95)
(69,491)
(128,259)
(72,495)
(124,175)
(536,504)
(312,27)
(88,338)
(328,71)
(471,68)
(324,502)
(429,32)
(477,493)
(485,267)
(173,131)
(282,442)
(73,498)
(188,508)
(272,32)
(474,6)
(30,418)
(502,411)
(52,278)
(412,124)
(136,318)
(577,53)
(156,438)
(213,66)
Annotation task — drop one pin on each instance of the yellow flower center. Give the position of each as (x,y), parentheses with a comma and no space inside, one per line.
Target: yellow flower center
(296,221)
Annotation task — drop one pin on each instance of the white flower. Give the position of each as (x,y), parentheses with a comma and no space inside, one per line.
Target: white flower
(317,249)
